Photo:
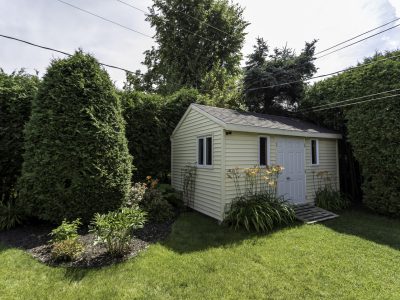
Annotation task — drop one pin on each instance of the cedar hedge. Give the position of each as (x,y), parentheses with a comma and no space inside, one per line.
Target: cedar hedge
(76,160)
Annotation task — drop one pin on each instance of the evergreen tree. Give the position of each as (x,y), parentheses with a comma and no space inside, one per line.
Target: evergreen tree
(76,159)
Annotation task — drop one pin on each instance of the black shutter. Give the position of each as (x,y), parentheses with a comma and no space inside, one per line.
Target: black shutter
(263,151)
(200,159)
(209,151)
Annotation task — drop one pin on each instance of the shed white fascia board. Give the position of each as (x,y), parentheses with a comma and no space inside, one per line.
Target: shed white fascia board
(216,120)
(265,130)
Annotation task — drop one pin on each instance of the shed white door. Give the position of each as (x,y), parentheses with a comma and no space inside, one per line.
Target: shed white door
(291,183)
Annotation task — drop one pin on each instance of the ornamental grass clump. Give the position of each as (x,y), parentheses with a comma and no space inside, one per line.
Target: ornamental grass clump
(326,195)
(257,206)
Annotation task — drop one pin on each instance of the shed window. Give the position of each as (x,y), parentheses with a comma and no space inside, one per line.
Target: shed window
(204,151)
(264,151)
(314,152)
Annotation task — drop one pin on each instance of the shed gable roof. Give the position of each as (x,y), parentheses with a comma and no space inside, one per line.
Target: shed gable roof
(262,123)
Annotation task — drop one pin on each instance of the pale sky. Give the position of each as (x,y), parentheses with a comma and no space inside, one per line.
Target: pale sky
(291,22)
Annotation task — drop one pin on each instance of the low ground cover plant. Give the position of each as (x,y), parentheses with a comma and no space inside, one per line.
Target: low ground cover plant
(257,206)
(115,229)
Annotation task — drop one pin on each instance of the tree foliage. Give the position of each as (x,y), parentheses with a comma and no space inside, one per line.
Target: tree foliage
(373,127)
(17,92)
(76,159)
(193,39)
(281,66)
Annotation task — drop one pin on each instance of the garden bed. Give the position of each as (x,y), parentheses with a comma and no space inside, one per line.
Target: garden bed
(35,240)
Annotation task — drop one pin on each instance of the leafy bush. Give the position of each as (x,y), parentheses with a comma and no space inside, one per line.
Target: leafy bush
(67,250)
(330,199)
(17,91)
(76,159)
(158,208)
(114,229)
(136,194)
(66,231)
(171,195)
(261,212)
(11,215)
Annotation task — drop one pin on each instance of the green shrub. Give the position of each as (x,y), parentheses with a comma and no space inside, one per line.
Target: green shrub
(17,91)
(171,195)
(76,160)
(66,231)
(260,212)
(330,199)
(67,250)
(115,228)
(158,208)
(11,215)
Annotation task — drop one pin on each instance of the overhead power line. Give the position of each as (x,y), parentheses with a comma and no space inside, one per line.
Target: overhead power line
(59,51)
(181,12)
(358,102)
(145,12)
(356,42)
(343,101)
(105,19)
(324,75)
(354,37)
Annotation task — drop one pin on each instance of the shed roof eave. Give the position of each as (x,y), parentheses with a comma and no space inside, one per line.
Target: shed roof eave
(264,130)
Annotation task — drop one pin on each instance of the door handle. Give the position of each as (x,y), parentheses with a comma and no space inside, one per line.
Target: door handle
(287,178)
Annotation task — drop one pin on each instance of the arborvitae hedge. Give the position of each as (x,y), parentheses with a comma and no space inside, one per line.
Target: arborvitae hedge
(150,121)
(17,91)
(76,159)
(373,127)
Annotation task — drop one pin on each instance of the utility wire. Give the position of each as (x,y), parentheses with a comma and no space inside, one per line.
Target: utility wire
(343,101)
(354,37)
(105,19)
(324,75)
(356,42)
(59,51)
(145,12)
(181,12)
(358,102)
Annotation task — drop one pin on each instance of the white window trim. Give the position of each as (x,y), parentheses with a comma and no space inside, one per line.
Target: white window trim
(205,166)
(268,150)
(316,149)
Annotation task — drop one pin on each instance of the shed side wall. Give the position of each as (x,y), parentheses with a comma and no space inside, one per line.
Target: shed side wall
(207,197)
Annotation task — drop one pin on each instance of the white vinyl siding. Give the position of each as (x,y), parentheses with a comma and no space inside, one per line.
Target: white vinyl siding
(242,150)
(327,161)
(207,198)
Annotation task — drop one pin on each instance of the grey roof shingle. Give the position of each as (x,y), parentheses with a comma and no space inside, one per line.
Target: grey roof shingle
(233,117)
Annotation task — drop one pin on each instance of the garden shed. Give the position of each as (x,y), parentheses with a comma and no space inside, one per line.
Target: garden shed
(215,140)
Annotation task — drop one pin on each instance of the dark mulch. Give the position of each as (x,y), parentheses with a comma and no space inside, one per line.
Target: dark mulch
(35,240)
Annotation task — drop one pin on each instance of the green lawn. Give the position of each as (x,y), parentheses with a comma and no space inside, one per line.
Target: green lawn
(354,257)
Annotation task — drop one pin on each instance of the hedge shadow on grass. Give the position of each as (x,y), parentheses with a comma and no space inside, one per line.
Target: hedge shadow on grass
(366,225)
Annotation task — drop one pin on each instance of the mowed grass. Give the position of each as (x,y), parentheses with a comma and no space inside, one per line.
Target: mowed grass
(356,256)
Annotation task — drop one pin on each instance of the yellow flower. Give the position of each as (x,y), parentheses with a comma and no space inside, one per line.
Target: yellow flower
(271,183)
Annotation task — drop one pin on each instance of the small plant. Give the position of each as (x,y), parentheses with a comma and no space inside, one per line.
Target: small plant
(11,215)
(115,229)
(171,195)
(261,212)
(67,250)
(330,199)
(157,207)
(136,194)
(326,196)
(65,244)
(66,231)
